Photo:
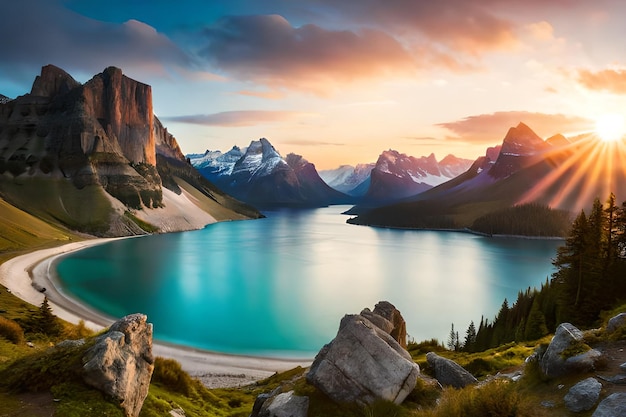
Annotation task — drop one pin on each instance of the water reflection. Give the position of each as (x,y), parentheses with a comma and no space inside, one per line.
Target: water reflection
(283,283)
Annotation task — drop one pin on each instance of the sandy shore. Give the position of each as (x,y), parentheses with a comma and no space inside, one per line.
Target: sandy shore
(23,274)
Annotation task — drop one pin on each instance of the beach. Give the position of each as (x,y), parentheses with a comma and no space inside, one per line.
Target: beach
(27,274)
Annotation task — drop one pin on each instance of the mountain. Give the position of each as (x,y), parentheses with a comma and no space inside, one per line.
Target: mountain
(93,157)
(4,99)
(260,176)
(349,179)
(527,169)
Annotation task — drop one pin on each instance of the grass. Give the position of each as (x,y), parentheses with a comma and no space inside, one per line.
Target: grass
(145,226)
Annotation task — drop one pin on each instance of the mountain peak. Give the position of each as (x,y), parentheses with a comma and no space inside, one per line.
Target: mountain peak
(522,140)
(52,81)
(4,99)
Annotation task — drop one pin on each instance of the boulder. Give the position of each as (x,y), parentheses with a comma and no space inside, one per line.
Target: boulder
(583,396)
(388,312)
(615,323)
(555,361)
(286,404)
(448,372)
(120,363)
(363,364)
(612,406)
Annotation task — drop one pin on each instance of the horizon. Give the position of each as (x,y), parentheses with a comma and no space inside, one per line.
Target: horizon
(339,83)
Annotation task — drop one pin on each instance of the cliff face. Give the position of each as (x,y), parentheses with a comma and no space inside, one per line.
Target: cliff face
(100,136)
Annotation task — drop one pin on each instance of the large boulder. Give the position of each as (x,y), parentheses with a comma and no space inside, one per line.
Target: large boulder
(612,406)
(363,364)
(120,363)
(562,357)
(448,372)
(583,396)
(616,323)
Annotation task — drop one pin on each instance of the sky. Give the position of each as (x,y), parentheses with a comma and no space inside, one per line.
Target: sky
(338,81)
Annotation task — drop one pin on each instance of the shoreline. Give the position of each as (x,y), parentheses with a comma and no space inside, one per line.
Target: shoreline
(23,274)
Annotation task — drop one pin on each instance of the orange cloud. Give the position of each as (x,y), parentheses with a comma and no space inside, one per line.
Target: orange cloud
(268,50)
(613,81)
(491,128)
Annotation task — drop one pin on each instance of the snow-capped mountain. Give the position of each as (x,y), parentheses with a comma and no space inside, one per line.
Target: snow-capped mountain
(4,99)
(397,175)
(259,175)
(351,180)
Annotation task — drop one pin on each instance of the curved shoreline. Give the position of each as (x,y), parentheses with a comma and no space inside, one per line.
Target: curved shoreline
(25,272)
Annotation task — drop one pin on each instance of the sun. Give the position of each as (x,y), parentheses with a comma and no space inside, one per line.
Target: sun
(611,127)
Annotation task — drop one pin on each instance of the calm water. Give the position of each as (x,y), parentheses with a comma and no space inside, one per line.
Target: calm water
(279,286)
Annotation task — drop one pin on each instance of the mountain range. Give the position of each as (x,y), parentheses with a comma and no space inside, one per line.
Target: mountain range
(556,172)
(94,158)
(260,176)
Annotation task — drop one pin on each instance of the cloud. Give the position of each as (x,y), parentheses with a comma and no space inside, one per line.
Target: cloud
(238,118)
(611,80)
(465,26)
(268,50)
(271,95)
(490,128)
(40,32)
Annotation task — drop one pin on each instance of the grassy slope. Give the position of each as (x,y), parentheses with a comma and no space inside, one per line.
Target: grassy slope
(20,232)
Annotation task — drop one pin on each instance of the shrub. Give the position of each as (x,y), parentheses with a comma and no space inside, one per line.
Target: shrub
(11,331)
(498,398)
(169,374)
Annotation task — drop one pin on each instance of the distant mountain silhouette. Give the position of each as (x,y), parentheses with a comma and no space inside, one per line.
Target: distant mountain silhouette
(559,173)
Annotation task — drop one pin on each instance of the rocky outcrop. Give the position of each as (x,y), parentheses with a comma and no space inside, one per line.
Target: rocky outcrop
(69,151)
(448,372)
(567,353)
(583,396)
(363,364)
(388,317)
(612,406)
(120,363)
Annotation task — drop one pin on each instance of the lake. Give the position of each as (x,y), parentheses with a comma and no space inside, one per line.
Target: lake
(279,286)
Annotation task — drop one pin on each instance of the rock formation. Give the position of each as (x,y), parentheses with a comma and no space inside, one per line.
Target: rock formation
(448,372)
(120,363)
(84,155)
(583,396)
(363,364)
(554,362)
(388,317)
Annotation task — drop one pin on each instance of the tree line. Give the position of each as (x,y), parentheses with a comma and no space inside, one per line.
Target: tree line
(531,219)
(590,278)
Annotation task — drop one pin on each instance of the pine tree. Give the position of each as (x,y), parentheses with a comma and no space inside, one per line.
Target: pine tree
(470,338)
(47,322)
(536,325)
(452,339)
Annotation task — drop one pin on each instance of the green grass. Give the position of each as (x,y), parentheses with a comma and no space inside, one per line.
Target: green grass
(145,226)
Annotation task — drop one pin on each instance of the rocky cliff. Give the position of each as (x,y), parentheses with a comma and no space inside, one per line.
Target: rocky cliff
(86,154)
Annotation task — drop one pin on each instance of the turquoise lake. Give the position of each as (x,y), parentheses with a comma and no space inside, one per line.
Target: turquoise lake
(279,286)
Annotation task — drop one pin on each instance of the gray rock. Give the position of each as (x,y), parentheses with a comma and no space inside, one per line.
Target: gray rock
(120,363)
(387,317)
(612,406)
(286,404)
(448,372)
(622,367)
(363,364)
(583,396)
(554,363)
(615,323)
(70,343)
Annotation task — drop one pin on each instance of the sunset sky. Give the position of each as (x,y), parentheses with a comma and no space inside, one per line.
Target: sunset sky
(338,81)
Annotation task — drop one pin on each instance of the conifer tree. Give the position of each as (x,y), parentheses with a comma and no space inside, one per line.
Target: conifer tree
(470,338)
(48,323)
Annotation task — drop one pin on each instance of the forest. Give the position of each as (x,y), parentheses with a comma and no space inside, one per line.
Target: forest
(589,279)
